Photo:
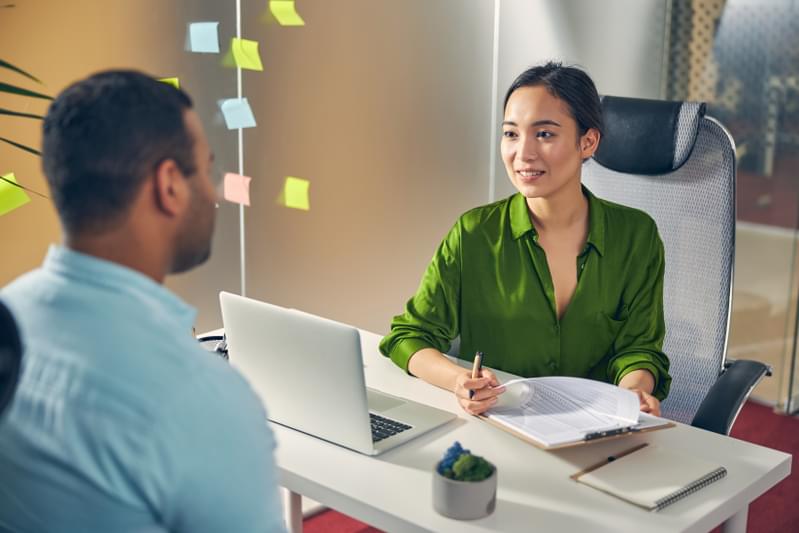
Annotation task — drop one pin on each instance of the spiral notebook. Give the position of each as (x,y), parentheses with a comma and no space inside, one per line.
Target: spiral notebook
(651,477)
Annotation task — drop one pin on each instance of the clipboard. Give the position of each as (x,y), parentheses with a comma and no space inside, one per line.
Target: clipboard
(614,436)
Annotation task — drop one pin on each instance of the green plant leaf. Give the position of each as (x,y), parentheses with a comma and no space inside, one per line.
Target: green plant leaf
(18,114)
(21,146)
(6,88)
(9,66)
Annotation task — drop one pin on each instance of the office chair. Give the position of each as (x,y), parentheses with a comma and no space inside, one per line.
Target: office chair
(10,356)
(671,161)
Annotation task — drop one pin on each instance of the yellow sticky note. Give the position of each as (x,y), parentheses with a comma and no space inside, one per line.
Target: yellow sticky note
(295,194)
(244,54)
(174,82)
(237,188)
(11,196)
(285,12)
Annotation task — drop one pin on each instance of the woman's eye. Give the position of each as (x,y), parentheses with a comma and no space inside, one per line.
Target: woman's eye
(545,134)
(509,134)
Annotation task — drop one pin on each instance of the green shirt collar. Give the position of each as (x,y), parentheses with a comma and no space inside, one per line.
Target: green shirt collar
(520,222)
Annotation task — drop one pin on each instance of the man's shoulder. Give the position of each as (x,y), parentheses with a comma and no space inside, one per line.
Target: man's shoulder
(211,392)
(24,285)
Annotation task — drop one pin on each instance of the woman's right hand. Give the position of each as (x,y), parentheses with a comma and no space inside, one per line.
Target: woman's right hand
(486,389)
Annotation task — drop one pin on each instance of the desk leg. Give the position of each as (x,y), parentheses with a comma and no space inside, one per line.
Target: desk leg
(737,522)
(295,512)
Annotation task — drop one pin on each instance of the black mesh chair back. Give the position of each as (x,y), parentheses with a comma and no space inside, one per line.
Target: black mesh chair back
(10,356)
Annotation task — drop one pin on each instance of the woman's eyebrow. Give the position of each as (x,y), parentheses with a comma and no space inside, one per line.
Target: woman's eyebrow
(544,122)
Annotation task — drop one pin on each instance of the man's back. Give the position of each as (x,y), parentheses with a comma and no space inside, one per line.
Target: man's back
(121,422)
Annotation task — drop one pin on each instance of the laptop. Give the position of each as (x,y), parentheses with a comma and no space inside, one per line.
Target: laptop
(308,371)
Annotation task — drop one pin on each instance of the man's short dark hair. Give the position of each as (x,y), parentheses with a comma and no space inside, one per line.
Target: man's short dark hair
(103,136)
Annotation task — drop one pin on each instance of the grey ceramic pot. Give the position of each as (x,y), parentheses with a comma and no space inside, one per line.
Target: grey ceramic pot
(464,500)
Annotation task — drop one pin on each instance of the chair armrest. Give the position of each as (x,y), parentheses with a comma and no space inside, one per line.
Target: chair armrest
(725,398)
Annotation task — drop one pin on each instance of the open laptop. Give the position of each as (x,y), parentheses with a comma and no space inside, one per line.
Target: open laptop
(308,371)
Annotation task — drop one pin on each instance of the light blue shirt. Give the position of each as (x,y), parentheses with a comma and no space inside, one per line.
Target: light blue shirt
(121,422)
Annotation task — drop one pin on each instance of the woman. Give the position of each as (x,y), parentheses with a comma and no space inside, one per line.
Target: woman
(551,281)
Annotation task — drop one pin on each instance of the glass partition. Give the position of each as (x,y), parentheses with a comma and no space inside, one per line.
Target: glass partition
(742,57)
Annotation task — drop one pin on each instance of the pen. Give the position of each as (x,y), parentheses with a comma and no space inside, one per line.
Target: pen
(476,366)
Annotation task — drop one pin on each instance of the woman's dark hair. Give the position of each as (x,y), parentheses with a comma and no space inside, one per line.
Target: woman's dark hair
(103,136)
(570,84)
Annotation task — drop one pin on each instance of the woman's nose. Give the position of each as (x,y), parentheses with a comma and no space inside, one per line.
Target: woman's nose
(528,149)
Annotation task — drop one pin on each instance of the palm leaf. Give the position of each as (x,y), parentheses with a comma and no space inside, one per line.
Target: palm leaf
(18,114)
(6,88)
(9,66)
(21,146)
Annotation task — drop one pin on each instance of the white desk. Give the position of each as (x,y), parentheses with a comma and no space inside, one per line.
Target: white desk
(393,492)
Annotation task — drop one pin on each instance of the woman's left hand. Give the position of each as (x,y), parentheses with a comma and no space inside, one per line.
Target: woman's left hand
(642,381)
(649,404)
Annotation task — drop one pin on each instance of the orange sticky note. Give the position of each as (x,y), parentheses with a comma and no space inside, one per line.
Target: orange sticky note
(237,188)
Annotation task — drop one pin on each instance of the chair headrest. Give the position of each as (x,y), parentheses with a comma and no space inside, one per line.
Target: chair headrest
(647,136)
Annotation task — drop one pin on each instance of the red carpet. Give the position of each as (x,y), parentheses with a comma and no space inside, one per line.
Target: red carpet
(775,511)
(778,509)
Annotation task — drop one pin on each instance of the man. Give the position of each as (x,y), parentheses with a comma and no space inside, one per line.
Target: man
(121,422)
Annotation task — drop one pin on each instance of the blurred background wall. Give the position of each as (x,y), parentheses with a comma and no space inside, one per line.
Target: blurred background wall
(391,110)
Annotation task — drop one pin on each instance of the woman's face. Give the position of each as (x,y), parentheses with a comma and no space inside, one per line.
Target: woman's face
(541,148)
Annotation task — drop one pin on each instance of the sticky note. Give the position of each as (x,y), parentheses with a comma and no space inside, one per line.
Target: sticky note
(11,196)
(174,82)
(237,188)
(244,54)
(203,37)
(295,194)
(237,113)
(285,12)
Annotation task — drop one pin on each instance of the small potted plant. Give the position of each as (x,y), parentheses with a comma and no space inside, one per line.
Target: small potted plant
(464,485)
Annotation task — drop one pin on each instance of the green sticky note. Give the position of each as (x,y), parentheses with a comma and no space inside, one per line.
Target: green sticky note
(174,82)
(295,194)
(285,12)
(244,54)
(11,196)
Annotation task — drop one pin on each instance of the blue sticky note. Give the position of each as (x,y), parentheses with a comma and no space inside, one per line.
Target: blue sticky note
(204,37)
(237,113)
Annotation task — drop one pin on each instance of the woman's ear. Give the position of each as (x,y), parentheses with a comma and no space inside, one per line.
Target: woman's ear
(589,142)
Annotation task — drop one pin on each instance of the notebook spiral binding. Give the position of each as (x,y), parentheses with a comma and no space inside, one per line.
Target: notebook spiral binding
(690,489)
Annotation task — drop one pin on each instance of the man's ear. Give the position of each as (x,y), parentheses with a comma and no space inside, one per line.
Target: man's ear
(170,188)
(589,142)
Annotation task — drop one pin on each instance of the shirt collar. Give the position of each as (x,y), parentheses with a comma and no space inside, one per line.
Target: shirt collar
(118,278)
(520,222)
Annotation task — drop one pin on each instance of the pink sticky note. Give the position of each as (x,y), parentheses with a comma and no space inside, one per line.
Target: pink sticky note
(237,188)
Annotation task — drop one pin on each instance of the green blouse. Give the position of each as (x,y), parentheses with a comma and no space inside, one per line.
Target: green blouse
(489,283)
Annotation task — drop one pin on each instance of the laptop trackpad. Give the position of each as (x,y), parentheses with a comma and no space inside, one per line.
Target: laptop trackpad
(380,402)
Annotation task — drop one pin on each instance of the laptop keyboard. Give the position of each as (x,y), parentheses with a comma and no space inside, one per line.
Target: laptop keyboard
(383,427)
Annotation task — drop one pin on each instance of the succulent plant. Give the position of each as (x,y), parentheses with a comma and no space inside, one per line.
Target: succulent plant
(461,465)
